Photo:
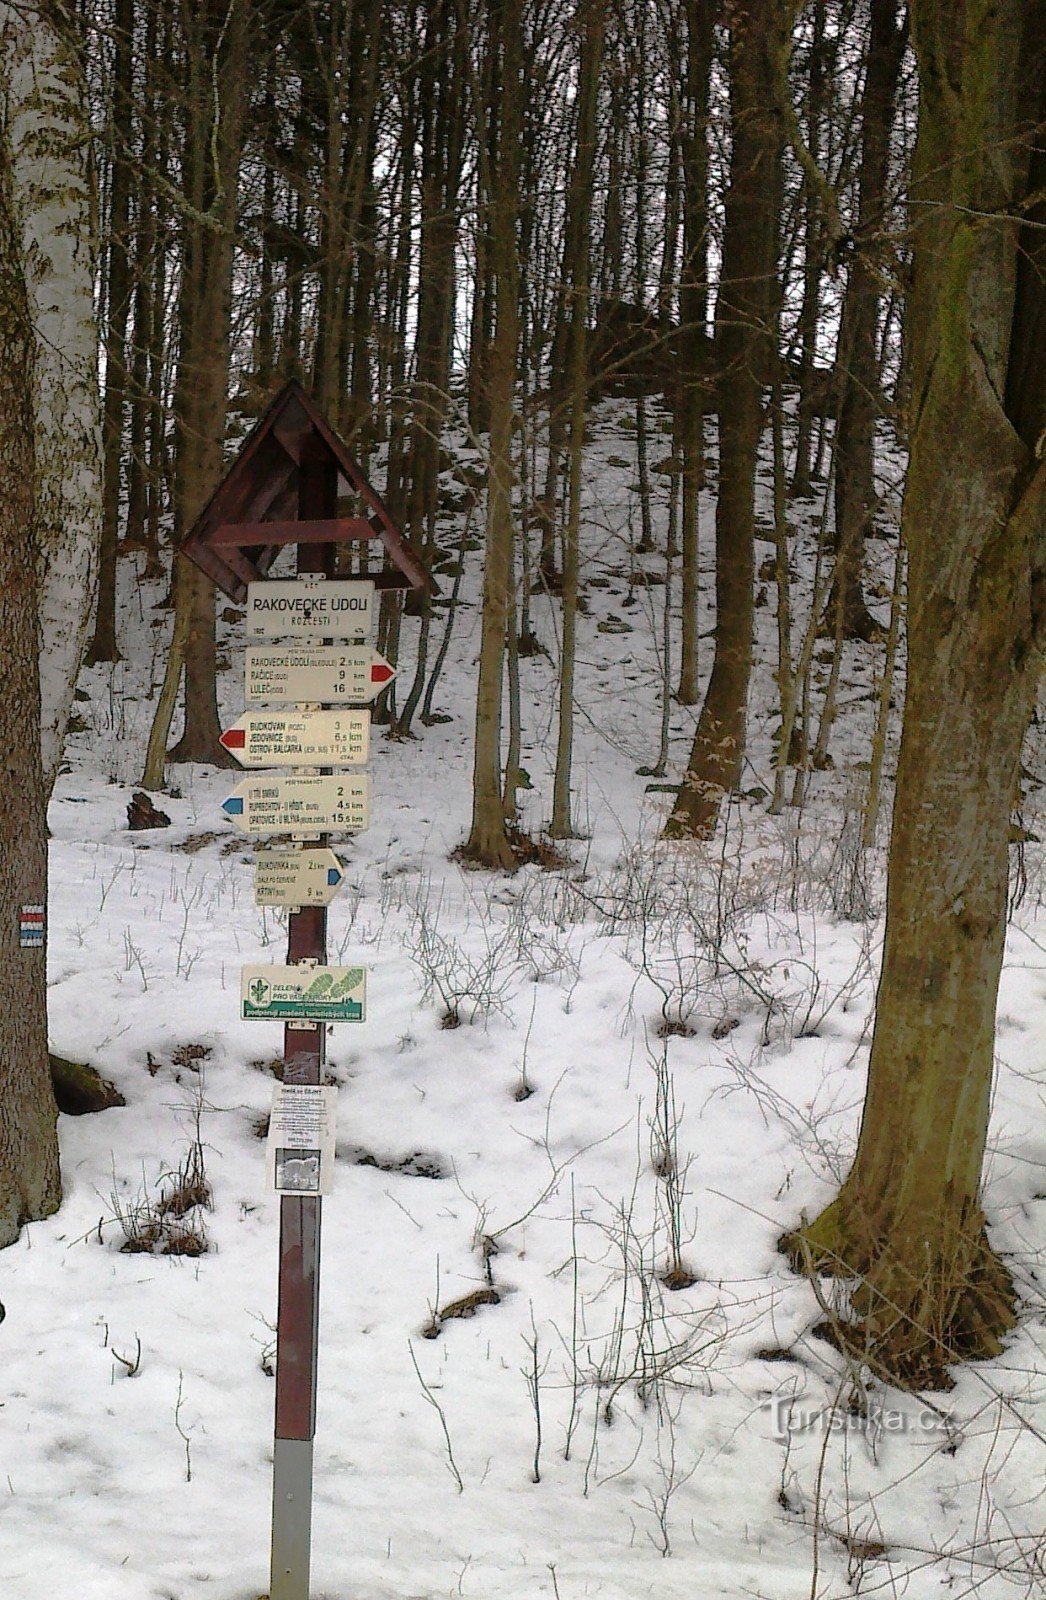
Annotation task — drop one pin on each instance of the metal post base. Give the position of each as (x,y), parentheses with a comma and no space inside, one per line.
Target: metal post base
(291,1519)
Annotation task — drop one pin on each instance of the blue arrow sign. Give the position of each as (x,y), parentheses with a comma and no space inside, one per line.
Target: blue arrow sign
(233,807)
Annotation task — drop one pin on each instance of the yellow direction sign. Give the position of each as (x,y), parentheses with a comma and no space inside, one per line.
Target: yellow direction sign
(299,738)
(296,878)
(325,803)
(327,673)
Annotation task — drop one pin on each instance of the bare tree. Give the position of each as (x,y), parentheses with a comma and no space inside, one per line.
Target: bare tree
(909,1220)
(744,348)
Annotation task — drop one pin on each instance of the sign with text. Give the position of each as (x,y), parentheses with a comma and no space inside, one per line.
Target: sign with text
(299,738)
(302,993)
(287,673)
(301,1138)
(325,803)
(297,878)
(313,608)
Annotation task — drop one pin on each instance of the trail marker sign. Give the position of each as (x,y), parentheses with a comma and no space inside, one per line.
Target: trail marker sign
(300,608)
(296,878)
(285,674)
(299,738)
(300,803)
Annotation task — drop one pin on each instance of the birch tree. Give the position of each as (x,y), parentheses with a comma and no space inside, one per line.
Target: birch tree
(51,193)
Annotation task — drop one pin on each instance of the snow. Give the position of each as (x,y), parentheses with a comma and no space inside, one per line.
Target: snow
(136,1426)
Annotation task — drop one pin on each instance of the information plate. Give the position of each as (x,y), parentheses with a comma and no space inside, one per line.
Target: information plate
(310,608)
(302,993)
(324,803)
(297,878)
(299,738)
(327,673)
(302,1138)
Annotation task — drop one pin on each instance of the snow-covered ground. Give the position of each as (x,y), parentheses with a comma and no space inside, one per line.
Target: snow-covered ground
(559,1148)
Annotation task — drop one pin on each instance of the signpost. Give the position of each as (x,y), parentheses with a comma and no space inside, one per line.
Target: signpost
(235,540)
(335,673)
(301,878)
(338,802)
(298,738)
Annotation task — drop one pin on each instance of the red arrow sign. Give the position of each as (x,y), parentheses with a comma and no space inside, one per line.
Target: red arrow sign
(233,738)
(381,672)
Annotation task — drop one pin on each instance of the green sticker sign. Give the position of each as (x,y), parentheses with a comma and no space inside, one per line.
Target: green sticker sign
(303,994)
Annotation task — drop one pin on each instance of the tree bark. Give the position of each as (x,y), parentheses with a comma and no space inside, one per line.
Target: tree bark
(118,285)
(214,142)
(858,361)
(802,484)
(909,1219)
(758,35)
(593,25)
(47,129)
(30,1186)
(442,104)
(488,843)
(693,312)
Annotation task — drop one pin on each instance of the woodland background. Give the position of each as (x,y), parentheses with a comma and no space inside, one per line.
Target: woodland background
(791,258)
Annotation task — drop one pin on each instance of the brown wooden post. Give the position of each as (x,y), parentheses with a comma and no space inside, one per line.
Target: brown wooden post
(304,1053)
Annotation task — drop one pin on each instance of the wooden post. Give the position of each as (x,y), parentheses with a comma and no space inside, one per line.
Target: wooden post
(304,1053)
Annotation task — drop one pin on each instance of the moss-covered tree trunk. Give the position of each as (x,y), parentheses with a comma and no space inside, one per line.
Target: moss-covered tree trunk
(908,1220)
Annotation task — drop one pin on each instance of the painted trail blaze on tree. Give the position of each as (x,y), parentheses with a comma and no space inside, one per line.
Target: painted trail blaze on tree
(908,1221)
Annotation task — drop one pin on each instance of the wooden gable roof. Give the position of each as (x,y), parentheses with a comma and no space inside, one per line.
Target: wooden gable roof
(251,514)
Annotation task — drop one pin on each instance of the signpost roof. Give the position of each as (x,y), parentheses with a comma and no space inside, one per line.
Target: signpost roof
(252,513)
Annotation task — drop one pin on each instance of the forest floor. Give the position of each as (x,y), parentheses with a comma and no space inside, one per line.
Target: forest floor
(559,1151)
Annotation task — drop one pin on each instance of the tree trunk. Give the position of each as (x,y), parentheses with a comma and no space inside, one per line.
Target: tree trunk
(802,485)
(30,1186)
(758,34)
(205,316)
(118,283)
(593,24)
(442,99)
(48,131)
(858,361)
(693,311)
(488,842)
(346,64)
(908,1219)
